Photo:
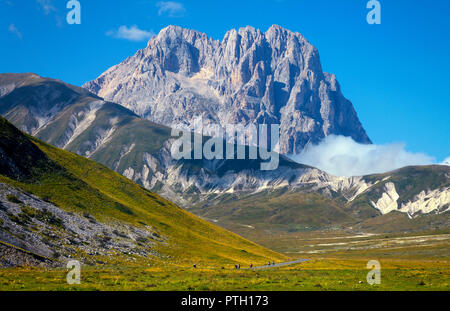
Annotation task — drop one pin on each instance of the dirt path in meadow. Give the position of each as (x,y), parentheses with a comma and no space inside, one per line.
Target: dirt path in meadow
(281,264)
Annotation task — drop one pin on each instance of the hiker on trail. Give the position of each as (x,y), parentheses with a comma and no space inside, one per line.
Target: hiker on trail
(269,263)
(235,266)
(273,263)
(239,266)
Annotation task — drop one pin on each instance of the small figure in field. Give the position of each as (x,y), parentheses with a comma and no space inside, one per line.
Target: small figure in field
(195,266)
(239,266)
(273,263)
(251,265)
(269,263)
(235,267)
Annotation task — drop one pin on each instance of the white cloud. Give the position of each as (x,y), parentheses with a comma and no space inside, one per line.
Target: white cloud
(342,156)
(171,8)
(47,6)
(50,10)
(132,33)
(12,28)
(446,161)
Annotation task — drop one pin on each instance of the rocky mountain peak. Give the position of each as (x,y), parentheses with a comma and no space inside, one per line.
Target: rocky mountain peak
(249,77)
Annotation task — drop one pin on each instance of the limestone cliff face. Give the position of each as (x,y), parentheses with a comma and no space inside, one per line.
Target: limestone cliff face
(249,77)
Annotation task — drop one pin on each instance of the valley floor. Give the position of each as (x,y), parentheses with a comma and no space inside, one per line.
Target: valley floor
(317,274)
(336,262)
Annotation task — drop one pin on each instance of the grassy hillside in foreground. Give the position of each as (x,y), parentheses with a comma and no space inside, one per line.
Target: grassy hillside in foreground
(79,185)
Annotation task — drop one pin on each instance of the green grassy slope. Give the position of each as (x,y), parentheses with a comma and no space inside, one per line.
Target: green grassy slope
(80,185)
(146,136)
(400,222)
(279,210)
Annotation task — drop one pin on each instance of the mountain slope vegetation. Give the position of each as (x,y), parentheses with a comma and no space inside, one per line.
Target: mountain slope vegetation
(80,186)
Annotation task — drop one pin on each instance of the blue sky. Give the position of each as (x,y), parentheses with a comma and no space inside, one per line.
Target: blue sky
(397,74)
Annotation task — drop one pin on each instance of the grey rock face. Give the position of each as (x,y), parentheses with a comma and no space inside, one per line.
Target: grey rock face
(31,101)
(46,230)
(249,77)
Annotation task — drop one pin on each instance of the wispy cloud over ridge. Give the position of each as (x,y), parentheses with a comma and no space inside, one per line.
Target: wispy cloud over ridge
(132,33)
(446,161)
(342,156)
(171,8)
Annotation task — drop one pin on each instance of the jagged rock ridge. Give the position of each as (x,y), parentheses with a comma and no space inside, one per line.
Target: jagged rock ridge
(272,77)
